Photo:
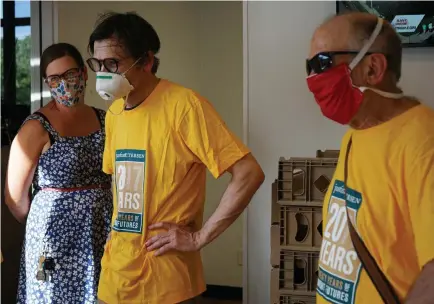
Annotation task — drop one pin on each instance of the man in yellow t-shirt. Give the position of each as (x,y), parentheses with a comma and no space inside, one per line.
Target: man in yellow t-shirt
(353,69)
(160,139)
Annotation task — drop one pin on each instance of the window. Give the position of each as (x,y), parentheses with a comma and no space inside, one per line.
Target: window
(22,9)
(15,63)
(23,72)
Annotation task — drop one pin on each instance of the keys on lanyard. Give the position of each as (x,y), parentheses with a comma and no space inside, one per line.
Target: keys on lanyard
(40,274)
(45,267)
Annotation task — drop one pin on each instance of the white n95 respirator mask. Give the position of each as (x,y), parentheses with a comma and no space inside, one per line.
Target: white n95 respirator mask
(112,86)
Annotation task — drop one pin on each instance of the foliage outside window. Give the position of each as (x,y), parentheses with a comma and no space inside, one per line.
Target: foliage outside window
(22,45)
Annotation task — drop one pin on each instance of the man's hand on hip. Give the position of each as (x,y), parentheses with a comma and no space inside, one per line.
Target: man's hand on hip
(180,238)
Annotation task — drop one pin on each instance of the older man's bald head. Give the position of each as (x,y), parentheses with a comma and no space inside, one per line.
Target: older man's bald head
(350,32)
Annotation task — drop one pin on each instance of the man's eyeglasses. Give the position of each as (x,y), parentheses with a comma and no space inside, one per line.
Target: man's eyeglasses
(70,76)
(321,62)
(110,64)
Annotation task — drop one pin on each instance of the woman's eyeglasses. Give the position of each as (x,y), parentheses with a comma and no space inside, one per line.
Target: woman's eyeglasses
(70,76)
(110,64)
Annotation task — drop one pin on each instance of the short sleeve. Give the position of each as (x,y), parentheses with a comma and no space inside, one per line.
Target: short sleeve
(107,162)
(207,136)
(421,204)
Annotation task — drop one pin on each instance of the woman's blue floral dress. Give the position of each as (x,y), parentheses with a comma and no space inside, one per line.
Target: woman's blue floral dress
(71,227)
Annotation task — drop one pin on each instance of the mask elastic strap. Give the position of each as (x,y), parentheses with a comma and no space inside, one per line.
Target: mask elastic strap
(368,44)
(116,114)
(135,62)
(123,108)
(383,93)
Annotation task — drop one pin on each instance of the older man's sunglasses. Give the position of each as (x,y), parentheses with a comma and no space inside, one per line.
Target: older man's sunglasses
(321,62)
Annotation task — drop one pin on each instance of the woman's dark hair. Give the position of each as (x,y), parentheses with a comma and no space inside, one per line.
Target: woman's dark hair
(135,34)
(57,51)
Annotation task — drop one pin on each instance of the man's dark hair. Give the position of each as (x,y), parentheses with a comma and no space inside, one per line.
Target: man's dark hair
(387,42)
(134,33)
(56,51)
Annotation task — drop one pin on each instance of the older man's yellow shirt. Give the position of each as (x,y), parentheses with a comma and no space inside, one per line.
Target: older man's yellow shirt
(391,201)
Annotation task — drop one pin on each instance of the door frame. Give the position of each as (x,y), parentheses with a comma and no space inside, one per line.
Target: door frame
(246,142)
(44,32)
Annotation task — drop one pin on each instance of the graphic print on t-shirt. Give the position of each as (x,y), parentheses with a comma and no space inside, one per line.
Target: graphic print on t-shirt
(130,181)
(339,269)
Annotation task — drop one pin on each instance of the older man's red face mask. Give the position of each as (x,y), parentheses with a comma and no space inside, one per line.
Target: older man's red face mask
(332,86)
(335,94)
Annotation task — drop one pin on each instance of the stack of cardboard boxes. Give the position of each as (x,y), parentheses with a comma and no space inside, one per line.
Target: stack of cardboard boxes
(296,230)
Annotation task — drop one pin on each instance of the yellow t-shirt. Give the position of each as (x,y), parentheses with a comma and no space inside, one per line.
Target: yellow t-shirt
(158,153)
(391,203)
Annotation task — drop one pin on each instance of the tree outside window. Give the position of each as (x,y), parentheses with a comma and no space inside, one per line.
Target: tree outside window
(23,50)
(15,66)
(22,45)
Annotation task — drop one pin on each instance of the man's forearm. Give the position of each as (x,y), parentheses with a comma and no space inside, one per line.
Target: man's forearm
(235,199)
(422,291)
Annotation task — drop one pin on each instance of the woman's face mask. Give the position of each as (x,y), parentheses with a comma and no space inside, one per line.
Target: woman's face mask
(69,88)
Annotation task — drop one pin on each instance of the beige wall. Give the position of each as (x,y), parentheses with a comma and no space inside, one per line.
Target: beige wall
(283,118)
(175,22)
(201,48)
(221,76)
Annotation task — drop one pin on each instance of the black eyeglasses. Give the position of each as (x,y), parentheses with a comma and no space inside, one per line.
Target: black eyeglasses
(69,76)
(110,64)
(321,62)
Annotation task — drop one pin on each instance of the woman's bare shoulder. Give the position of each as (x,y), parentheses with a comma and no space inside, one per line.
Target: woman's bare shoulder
(48,109)
(33,129)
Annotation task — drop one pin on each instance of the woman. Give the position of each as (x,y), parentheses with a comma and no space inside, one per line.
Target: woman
(60,148)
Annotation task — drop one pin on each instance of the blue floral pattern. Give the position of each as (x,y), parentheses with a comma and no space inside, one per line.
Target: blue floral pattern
(72,227)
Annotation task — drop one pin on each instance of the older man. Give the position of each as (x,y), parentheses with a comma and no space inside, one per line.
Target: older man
(379,211)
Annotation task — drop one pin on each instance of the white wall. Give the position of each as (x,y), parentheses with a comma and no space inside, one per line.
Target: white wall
(201,48)
(283,118)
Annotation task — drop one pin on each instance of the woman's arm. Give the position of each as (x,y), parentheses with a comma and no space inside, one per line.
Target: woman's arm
(24,155)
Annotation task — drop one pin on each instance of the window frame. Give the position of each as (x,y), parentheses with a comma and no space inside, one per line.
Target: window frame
(43,15)
(9,23)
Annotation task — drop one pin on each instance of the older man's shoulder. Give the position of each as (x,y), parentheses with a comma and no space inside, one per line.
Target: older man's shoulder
(419,127)
(423,117)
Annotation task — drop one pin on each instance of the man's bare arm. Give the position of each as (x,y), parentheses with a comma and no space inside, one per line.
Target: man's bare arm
(247,177)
